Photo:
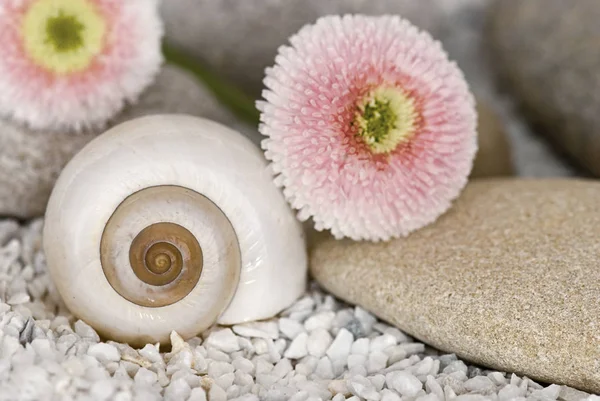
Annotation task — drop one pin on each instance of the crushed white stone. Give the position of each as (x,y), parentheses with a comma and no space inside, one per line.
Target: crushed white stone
(318,349)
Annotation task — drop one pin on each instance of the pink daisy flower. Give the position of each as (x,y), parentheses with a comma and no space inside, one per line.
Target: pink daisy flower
(75,63)
(371,129)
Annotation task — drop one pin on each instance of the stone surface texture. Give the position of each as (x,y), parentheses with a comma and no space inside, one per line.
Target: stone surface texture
(507,278)
(30,161)
(547,54)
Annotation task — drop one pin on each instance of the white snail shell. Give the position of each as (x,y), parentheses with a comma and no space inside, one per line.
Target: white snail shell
(171,222)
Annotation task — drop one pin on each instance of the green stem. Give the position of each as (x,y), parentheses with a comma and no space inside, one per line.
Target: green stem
(239,103)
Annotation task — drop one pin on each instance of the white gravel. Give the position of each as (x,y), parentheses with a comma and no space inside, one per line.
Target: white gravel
(319,349)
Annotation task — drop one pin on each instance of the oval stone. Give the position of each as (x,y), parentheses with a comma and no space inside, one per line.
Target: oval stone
(508,278)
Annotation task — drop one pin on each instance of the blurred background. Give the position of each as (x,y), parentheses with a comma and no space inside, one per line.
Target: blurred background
(532,65)
(522,59)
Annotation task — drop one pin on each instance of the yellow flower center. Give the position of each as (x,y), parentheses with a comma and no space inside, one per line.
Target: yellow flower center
(63,36)
(386,117)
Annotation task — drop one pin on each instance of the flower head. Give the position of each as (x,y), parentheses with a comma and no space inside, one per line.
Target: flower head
(75,63)
(371,129)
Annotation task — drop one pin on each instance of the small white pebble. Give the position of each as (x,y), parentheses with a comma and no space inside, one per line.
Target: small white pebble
(449,393)
(338,397)
(44,348)
(413,348)
(456,366)
(243,379)
(432,386)
(366,319)
(223,340)
(290,328)
(533,385)
(406,384)
(398,335)
(282,368)
(18,299)
(219,368)
(356,360)
(246,344)
(225,381)
(338,387)
(342,318)
(216,393)
(390,395)
(150,352)
(197,394)
(479,384)
(86,331)
(509,392)
(382,342)
(217,355)
(403,364)
(471,397)
(395,354)
(244,365)
(262,366)
(360,346)
(423,367)
(322,320)
(274,350)
(549,393)
(378,381)
(258,329)
(4,307)
(377,361)
(260,346)
(358,370)
(340,347)
(102,390)
(177,390)
(177,342)
(145,377)
(497,378)
(362,387)
(266,380)
(246,397)
(324,369)
(298,347)
(104,352)
(300,396)
(318,342)
(428,397)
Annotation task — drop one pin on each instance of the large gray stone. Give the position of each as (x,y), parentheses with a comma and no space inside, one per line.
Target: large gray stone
(547,54)
(508,278)
(240,38)
(30,161)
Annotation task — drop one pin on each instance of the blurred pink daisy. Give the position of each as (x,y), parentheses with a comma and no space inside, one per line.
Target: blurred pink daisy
(75,63)
(371,129)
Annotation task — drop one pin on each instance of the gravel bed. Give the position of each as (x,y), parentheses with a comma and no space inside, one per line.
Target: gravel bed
(318,349)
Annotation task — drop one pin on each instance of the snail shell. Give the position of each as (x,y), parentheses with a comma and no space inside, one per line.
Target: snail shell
(171,222)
